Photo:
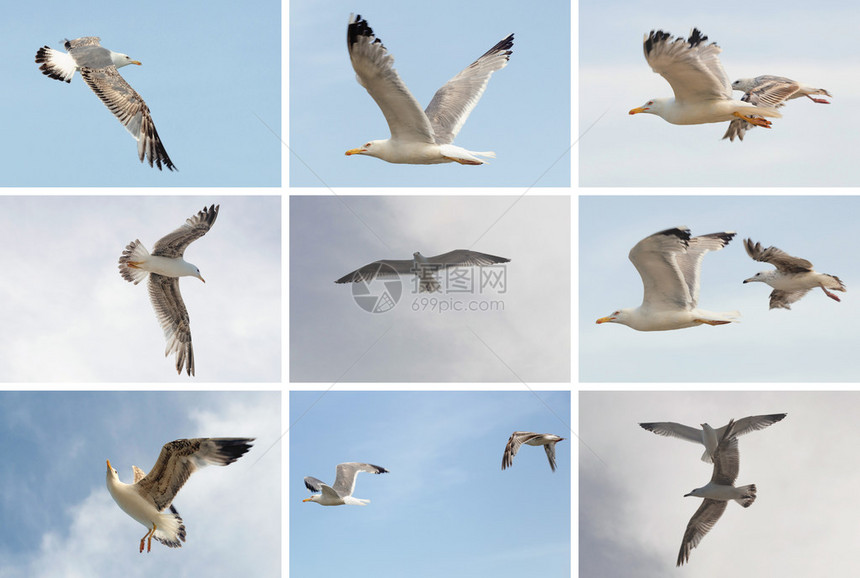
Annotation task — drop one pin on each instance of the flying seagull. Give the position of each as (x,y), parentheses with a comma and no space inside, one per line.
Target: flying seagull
(340,492)
(424,268)
(146,498)
(165,266)
(769,91)
(703,92)
(519,438)
(670,264)
(792,278)
(419,137)
(98,67)
(716,493)
(708,436)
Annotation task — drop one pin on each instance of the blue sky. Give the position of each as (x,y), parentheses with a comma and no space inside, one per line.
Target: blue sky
(527,337)
(60,520)
(68,303)
(209,71)
(446,508)
(818,331)
(632,513)
(524,115)
(810,146)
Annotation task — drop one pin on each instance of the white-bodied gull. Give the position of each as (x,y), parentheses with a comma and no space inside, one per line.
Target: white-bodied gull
(708,436)
(424,268)
(146,498)
(716,493)
(670,263)
(771,91)
(165,266)
(419,137)
(703,92)
(792,278)
(340,492)
(98,67)
(519,438)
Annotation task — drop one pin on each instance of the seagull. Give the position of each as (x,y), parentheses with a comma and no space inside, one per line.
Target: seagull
(703,92)
(708,436)
(419,137)
(146,498)
(98,67)
(792,278)
(164,266)
(340,493)
(670,263)
(519,438)
(716,493)
(424,268)
(769,91)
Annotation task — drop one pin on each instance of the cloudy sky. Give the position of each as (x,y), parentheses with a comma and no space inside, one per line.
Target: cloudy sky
(632,513)
(524,115)
(70,317)
(211,76)
(60,520)
(445,493)
(817,335)
(527,336)
(809,146)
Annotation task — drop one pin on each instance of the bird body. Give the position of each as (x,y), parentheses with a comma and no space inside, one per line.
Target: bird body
(340,492)
(519,438)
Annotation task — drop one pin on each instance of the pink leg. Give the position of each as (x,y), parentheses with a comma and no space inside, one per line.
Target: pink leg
(831,295)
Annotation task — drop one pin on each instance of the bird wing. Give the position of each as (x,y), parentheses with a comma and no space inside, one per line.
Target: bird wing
(180,458)
(131,110)
(173,244)
(452,104)
(655,259)
(173,318)
(777,257)
(783,299)
(691,67)
(139,474)
(344,480)
(381,268)
(464,258)
(313,484)
(675,430)
(517,439)
(726,458)
(550,454)
(752,423)
(374,70)
(81,42)
(699,525)
(767,91)
(690,261)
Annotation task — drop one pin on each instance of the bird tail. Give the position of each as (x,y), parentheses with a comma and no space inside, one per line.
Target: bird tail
(841,285)
(55,64)
(171,529)
(748,496)
(129,262)
(463,156)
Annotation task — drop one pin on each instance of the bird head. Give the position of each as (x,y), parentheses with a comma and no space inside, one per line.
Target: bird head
(312,498)
(653,106)
(372,149)
(760,277)
(119,59)
(743,84)
(619,316)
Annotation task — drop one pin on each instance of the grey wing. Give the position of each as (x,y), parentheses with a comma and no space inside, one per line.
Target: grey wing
(655,258)
(464,258)
(784,299)
(692,68)
(690,261)
(777,257)
(727,458)
(173,244)
(550,454)
(374,70)
(452,104)
(139,474)
(381,268)
(517,439)
(344,481)
(755,423)
(173,318)
(313,484)
(699,525)
(675,430)
(128,106)
(181,458)
(82,41)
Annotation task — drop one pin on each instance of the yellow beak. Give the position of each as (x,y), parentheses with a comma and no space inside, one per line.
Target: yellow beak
(638,110)
(139,63)
(354,152)
(604,320)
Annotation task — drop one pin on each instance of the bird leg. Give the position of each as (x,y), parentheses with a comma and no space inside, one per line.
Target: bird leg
(818,100)
(829,294)
(149,542)
(711,321)
(758,121)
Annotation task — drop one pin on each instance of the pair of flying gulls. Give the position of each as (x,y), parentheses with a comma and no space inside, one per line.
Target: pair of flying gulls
(147,497)
(703,91)
(670,264)
(340,492)
(721,449)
